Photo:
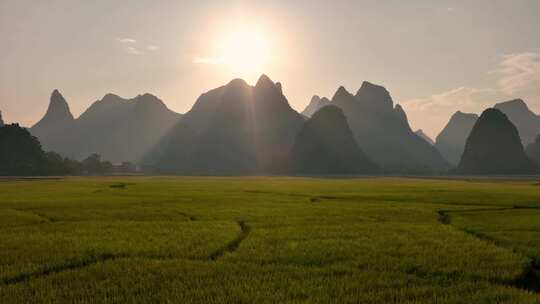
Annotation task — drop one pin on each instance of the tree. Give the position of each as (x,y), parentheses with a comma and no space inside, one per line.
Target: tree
(20,152)
(93,165)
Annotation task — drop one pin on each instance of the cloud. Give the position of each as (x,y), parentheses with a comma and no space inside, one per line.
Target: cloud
(133,51)
(463,98)
(153,48)
(127,40)
(433,112)
(207,60)
(516,76)
(518,72)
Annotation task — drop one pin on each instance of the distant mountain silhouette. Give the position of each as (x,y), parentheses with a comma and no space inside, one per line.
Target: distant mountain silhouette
(57,113)
(55,129)
(451,141)
(1,121)
(527,122)
(401,115)
(314,105)
(424,136)
(116,128)
(494,147)
(234,129)
(533,150)
(383,132)
(326,145)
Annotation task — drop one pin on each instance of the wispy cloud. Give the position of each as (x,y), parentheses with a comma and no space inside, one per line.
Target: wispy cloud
(133,51)
(518,72)
(463,98)
(432,113)
(130,46)
(515,76)
(127,40)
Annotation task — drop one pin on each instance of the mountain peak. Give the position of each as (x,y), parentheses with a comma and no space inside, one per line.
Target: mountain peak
(326,145)
(110,97)
(527,122)
(366,85)
(58,108)
(279,87)
(315,105)
(424,136)
(458,115)
(264,81)
(237,82)
(149,100)
(451,140)
(514,107)
(58,112)
(1,121)
(146,96)
(375,96)
(401,114)
(341,93)
(515,103)
(494,147)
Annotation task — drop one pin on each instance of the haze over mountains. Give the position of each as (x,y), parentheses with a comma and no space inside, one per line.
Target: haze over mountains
(533,150)
(424,136)
(382,131)
(523,118)
(118,129)
(234,129)
(314,105)
(326,145)
(451,141)
(239,129)
(494,147)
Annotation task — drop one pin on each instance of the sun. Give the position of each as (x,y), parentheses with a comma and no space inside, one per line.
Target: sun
(246,52)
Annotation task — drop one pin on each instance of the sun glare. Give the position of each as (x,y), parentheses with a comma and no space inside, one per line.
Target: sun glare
(245,52)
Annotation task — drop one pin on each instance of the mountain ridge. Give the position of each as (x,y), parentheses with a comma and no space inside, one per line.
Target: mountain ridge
(452,138)
(383,132)
(233,129)
(326,145)
(526,121)
(119,129)
(494,147)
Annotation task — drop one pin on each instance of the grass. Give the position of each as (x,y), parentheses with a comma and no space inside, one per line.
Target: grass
(269,240)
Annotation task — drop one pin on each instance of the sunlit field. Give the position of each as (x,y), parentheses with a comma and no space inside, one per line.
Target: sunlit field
(269,240)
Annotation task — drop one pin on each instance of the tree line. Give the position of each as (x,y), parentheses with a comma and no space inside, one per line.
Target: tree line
(22,154)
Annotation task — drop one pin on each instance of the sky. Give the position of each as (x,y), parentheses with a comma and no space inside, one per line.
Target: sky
(435,57)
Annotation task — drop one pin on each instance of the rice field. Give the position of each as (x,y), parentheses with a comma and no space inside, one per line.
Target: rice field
(269,240)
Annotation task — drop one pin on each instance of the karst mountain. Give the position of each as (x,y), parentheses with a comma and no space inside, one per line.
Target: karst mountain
(314,105)
(383,132)
(451,141)
(424,136)
(533,150)
(494,148)
(326,145)
(116,128)
(525,120)
(234,129)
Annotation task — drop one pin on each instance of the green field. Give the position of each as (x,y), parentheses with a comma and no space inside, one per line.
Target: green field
(269,240)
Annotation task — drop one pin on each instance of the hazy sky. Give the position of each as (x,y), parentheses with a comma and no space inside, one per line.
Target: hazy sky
(435,57)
